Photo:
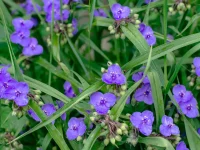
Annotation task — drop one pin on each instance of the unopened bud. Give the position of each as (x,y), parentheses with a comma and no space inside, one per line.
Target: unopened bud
(176,115)
(19,114)
(79,138)
(123,36)
(103,70)
(119,131)
(110,27)
(124,87)
(123,127)
(47,29)
(118,138)
(171,9)
(175,120)
(122,93)
(40,103)
(92,119)
(117,36)
(189,78)
(198,87)
(106,141)
(181,6)
(125,132)
(14,113)
(37,97)
(134,142)
(84,141)
(109,63)
(112,140)
(6,102)
(137,22)
(38,92)
(69,25)
(149,148)
(95,113)
(191,83)
(70,35)
(136,16)
(188,6)
(103,124)
(112,31)
(178,138)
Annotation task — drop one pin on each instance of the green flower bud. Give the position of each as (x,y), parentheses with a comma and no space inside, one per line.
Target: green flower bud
(54,148)
(117,36)
(40,103)
(14,113)
(106,141)
(123,127)
(149,148)
(191,83)
(92,119)
(175,120)
(118,138)
(122,93)
(132,11)
(47,29)
(65,7)
(19,114)
(125,132)
(20,146)
(69,25)
(181,6)
(112,31)
(70,30)
(198,87)
(84,141)
(176,115)
(119,131)
(178,138)
(79,138)
(137,22)
(188,6)
(103,124)
(6,102)
(171,9)
(110,27)
(134,142)
(136,16)
(109,63)
(180,12)
(112,140)
(103,70)
(95,113)
(38,92)
(70,35)
(37,97)
(124,87)
(128,115)
(123,36)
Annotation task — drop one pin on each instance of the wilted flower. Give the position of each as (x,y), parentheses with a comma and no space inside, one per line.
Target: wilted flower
(69,92)
(181,146)
(114,75)
(102,102)
(76,127)
(100,13)
(196,63)
(143,121)
(120,12)
(144,94)
(60,105)
(181,94)
(167,128)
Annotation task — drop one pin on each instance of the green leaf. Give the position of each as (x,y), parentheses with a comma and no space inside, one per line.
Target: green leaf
(72,104)
(14,6)
(192,135)
(55,46)
(89,42)
(92,8)
(111,2)
(55,134)
(156,141)
(5,12)
(180,63)
(46,141)
(192,20)
(105,22)
(157,97)
(17,71)
(163,50)
(92,138)
(146,17)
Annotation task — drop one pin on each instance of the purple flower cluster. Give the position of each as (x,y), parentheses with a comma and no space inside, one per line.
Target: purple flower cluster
(48,109)
(22,36)
(143,121)
(144,92)
(186,101)
(114,75)
(11,89)
(196,63)
(120,12)
(69,92)
(29,7)
(181,146)
(102,102)
(76,127)
(148,34)
(167,128)
(100,13)
(149,1)
(55,5)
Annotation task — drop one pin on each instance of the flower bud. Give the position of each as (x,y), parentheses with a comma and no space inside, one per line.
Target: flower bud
(95,113)
(119,131)
(109,63)
(149,148)
(38,92)
(122,36)
(103,124)
(137,22)
(14,113)
(79,138)
(132,11)
(134,142)
(191,83)
(175,120)
(189,78)
(124,87)
(19,114)
(112,140)
(176,115)
(69,25)
(37,97)
(40,103)
(123,127)
(69,30)
(106,141)
(171,9)
(118,138)
(136,16)
(15,144)
(125,132)
(198,87)
(122,93)
(178,139)
(188,6)
(123,22)
(128,115)
(110,27)
(117,36)
(70,35)
(6,102)
(112,31)
(47,29)
(92,119)
(103,70)
(181,6)
(84,141)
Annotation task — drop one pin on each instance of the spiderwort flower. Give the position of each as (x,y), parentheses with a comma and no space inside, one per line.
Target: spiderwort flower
(144,94)
(149,1)
(18,92)
(143,121)
(181,94)
(102,102)
(167,128)
(196,63)
(21,37)
(114,75)
(120,12)
(74,26)
(76,127)
(100,13)
(20,23)
(69,92)
(181,146)
(189,108)
(60,105)
(32,48)
(33,115)
(149,36)
(48,109)
(137,76)
(198,131)
(28,6)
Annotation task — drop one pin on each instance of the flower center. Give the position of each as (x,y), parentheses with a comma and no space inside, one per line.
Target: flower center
(17,93)
(113,76)
(148,36)
(146,93)
(21,35)
(189,107)
(170,125)
(102,102)
(145,120)
(74,127)
(32,47)
(119,11)
(5,85)
(181,94)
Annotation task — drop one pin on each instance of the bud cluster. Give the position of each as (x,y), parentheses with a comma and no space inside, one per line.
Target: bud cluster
(180,7)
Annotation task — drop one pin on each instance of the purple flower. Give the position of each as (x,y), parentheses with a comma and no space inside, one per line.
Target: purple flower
(170,38)
(149,36)
(69,92)
(149,1)
(137,76)
(198,131)
(74,26)
(120,12)
(100,13)
(32,48)
(189,108)
(60,105)
(102,102)
(21,37)
(114,75)
(65,2)
(48,109)
(20,23)
(180,94)
(33,115)
(28,6)
(128,101)
(144,94)
(142,27)
(4,71)
(18,92)
(181,146)
(76,127)
(35,21)
(167,128)
(196,63)
(143,121)
(65,15)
